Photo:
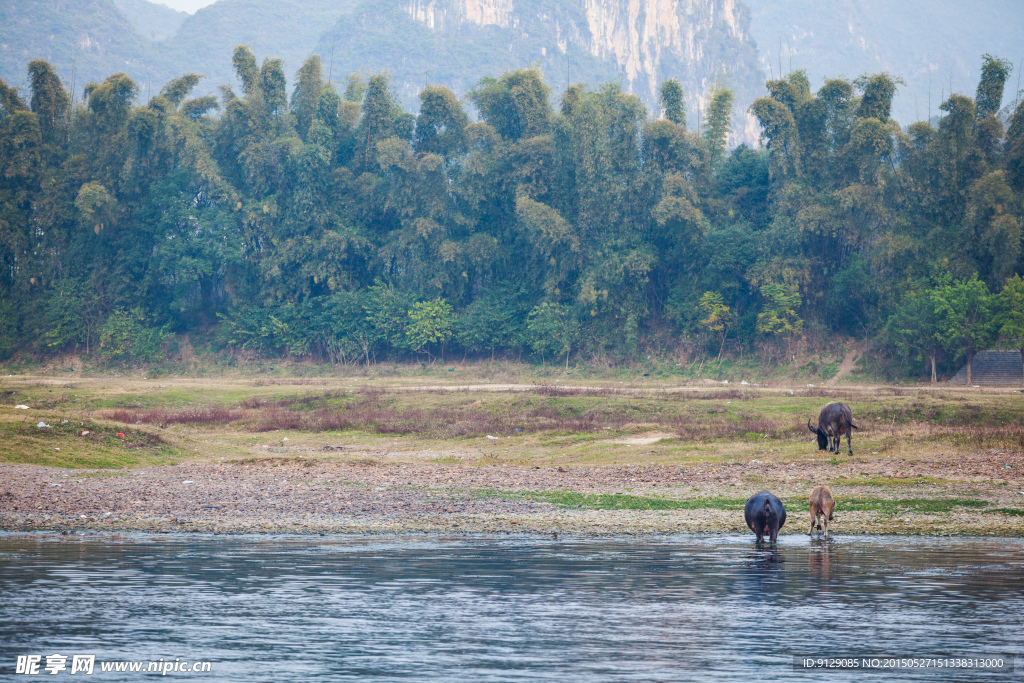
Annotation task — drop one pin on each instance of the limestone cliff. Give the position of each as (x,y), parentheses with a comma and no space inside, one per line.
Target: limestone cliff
(638,43)
(637,35)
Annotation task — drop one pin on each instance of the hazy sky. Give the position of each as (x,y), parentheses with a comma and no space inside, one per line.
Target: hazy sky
(189,6)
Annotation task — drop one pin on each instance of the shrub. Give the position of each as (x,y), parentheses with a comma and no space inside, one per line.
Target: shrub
(127,338)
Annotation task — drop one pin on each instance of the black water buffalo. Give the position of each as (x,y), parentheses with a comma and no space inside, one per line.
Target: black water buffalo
(765,515)
(834,420)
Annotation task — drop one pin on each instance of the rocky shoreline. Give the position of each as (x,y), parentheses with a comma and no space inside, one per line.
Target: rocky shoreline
(291,496)
(593,523)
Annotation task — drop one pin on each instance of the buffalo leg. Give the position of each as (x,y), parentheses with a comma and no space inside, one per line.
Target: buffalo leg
(849,446)
(814,520)
(826,525)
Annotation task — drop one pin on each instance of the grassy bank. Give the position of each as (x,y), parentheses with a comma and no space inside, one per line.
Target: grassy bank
(547,423)
(919,450)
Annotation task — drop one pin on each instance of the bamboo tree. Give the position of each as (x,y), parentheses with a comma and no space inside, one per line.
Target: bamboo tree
(1010,303)
(441,125)
(718,121)
(306,96)
(671,96)
(599,228)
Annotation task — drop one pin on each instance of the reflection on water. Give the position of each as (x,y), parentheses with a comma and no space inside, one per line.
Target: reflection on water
(682,608)
(819,559)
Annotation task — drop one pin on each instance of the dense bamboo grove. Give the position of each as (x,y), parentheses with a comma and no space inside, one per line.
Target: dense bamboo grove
(336,226)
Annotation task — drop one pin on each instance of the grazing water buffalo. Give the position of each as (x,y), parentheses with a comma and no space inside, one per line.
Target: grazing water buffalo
(822,504)
(834,420)
(765,515)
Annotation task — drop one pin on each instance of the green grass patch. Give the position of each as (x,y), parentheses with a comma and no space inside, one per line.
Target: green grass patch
(914,505)
(64,445)
(829,370)
(625,501)
(889,481)
(1015,512)
(134,401)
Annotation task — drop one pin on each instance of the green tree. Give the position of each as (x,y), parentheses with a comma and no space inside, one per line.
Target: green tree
(21,203)
(111,103)
(96,206)
(989,96)
(779,316)
(494,320)
(718,119)
(1010,304)
(964,318)
(553,329)
(247,70)
(781,133)
(913,329)
(380,115)
(281,220)
(8,329)
(344,333)
(441,125)
(387,315)
(50,103)
(990,228)
(988,99)
(672,105)
(73,316)
(306,96)
(516,104)
(876,98)
(128,337)
(718,317)
(178,89)
(430,322)
(1015,149)
(254,331)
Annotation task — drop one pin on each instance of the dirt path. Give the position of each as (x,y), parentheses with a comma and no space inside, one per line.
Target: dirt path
(125,385)
(847,366)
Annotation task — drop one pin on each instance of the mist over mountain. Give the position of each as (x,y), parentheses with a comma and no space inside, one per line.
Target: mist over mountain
(85,40)
(285,29)
(152,43)
(633,43)
(933,46)
(157,22)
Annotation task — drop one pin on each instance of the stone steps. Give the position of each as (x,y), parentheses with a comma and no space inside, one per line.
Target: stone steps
(993,368)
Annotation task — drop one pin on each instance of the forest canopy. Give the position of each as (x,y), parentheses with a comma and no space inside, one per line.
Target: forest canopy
(333,225)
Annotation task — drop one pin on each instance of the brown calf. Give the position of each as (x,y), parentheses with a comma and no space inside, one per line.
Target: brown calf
(822,504)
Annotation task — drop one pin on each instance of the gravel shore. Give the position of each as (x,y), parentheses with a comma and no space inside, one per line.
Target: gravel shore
(289,495)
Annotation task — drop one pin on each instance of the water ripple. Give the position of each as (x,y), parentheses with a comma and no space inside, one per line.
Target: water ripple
(683,608)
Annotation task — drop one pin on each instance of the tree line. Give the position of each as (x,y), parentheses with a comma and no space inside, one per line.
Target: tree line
(333,225)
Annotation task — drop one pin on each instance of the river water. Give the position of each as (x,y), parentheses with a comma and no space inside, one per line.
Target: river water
(700,608)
